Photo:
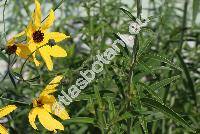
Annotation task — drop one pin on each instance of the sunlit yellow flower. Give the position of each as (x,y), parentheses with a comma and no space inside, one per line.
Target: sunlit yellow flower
(20,49)
(3,112)
(42,107)
(42,41)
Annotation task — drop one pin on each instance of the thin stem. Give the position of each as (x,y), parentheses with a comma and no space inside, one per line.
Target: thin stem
(133,61)
(28,59)
(59,4)
(183,25)
(4,24)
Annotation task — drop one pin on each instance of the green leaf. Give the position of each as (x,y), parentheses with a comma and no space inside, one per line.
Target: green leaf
(146,68)
(167,111)
(163,83)
(124,116)
(12,79)
(143,123)
(80,120)
(163,59)
(145,46)
(150,91)
(188,77)
(3,56)
(196,8)
(129,14)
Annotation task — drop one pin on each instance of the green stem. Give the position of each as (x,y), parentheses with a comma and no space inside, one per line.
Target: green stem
(183,25)
(4,24)
(133,61)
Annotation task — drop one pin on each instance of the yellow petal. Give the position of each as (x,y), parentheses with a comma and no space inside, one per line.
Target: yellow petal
(29,30)
(48,121)
(49,21)
(19,34)
(57,110)
(37,14)
(47,99)
(45,53)
(56,36)
(10,42)
(6,110)
(57,51)
(23,51)
(3,130)
(32,115)
(50,88)
(32,48)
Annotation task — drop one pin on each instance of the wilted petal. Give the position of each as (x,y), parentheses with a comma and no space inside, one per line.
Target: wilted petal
(23,51)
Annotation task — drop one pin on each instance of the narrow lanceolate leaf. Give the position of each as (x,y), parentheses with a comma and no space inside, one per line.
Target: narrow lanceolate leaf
(146,68)
(163,59)
(167,111)
(151,91)
(196,9)
(3,56)
(188,77)
(80,120)
(163,83)
(12,79)
(143,123)
(129,14)
(145,46)
(124,116)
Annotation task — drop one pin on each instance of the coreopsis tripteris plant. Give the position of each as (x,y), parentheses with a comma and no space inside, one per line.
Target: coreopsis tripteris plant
(42,41)
(3,112)
(43,108)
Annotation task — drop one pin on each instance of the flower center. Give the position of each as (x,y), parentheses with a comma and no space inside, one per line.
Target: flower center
(51,42)
(11,49)
(39,103)
(38,36)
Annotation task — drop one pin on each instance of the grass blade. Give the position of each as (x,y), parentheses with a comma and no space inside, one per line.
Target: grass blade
(167,111)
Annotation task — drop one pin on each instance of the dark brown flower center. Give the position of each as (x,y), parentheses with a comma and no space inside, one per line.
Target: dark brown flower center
(51,42)
(11,49)
(39,103)
(38,36)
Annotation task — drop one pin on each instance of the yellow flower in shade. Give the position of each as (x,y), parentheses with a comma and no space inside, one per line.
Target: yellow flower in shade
(43,108)
(3,112)
(42,41)
(20,49)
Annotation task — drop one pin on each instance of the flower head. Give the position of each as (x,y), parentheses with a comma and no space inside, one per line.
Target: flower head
(3,112)
(42,107)
(18,48)
(40,40)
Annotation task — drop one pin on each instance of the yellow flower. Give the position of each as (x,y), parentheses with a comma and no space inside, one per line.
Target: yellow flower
(3,112)
(42,41)
(20,49)
(42,107)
